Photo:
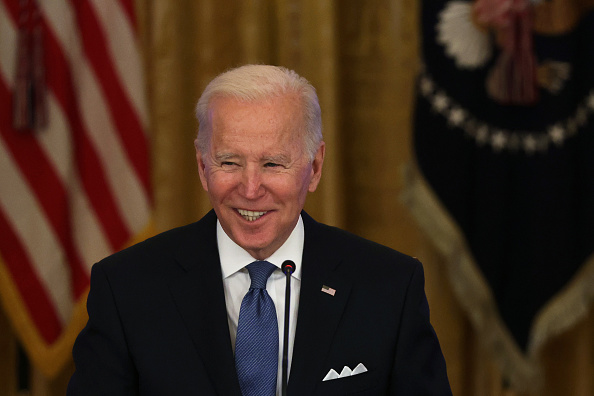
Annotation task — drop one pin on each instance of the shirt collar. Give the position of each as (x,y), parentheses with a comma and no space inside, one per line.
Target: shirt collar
(234,257)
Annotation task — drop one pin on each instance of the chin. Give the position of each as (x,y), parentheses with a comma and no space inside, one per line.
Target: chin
(250,246)
(261,250)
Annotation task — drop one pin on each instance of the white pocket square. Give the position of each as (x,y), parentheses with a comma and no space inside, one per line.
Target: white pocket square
(346,372)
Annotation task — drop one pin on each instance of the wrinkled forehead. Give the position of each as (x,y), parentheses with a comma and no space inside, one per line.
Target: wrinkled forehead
(295,100)
(281,113)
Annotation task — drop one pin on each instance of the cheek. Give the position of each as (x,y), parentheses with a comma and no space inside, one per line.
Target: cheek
(295,190)
(305,182)
(220,184)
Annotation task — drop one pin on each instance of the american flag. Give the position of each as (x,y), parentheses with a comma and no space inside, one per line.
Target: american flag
(74,160)
(328,290)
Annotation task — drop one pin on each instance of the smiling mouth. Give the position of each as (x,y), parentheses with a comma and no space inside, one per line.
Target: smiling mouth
(250,215)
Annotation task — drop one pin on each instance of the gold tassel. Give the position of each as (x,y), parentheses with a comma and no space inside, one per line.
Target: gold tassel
(29,96)
(512,81)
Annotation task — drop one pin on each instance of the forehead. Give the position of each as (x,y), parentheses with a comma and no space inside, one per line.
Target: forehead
(275,121)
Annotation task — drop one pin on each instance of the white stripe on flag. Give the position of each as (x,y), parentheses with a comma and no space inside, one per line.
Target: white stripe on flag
(126,188)
(30,224)
(8,39)
(132,203)
(90,243)
(120,159)
(124,52)
(88,238)
(61,19)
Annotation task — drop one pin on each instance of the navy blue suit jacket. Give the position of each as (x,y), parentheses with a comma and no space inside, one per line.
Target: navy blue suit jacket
(158,322)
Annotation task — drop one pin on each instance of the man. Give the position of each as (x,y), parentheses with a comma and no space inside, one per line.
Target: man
(169,317)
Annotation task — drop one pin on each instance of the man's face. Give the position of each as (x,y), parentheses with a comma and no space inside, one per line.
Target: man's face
(256,171)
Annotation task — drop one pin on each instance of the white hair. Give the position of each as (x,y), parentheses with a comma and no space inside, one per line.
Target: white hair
(251,83)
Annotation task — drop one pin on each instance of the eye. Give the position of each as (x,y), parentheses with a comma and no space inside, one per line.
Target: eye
(228,163)
(271,165)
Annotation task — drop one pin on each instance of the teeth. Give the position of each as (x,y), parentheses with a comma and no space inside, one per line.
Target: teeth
(250,215)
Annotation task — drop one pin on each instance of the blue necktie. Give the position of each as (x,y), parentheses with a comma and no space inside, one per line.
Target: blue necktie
(256,345)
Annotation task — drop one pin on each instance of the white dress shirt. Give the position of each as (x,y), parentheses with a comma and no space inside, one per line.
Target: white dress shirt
(236,282)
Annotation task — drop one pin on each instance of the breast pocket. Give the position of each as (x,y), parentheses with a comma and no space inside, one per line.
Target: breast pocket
(356,385)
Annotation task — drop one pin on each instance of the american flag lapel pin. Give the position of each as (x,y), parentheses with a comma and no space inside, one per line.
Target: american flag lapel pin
(328,290)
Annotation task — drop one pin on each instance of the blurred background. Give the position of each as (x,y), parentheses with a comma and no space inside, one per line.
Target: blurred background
(433,115)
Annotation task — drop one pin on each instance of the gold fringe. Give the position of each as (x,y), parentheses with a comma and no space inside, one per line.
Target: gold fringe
(564,310)
(469,285)
(48,359)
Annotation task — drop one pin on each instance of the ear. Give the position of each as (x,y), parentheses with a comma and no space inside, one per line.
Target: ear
(316,167)
(201,167)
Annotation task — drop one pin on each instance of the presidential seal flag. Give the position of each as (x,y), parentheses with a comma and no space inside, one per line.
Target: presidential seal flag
(503,179)
(74,160)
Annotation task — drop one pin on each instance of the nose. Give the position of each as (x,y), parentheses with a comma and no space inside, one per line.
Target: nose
(251,184)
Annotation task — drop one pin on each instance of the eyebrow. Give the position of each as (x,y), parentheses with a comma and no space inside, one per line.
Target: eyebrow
(281,158)
(225,156)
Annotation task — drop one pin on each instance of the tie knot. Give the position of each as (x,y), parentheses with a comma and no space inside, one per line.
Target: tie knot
(259,273)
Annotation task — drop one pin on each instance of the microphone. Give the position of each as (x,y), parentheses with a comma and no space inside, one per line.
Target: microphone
(288,267)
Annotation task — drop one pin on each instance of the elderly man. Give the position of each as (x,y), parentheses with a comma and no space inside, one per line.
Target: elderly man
(201,309)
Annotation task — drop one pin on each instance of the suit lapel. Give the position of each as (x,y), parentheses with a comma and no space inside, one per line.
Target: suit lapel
(200,299)
(319,312)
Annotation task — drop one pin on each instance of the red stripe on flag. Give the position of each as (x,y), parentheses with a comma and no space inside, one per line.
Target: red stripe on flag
(129,8)
(126,120)
(38,170)
(31,290)
(12,6)
(47,186)
(90,167)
